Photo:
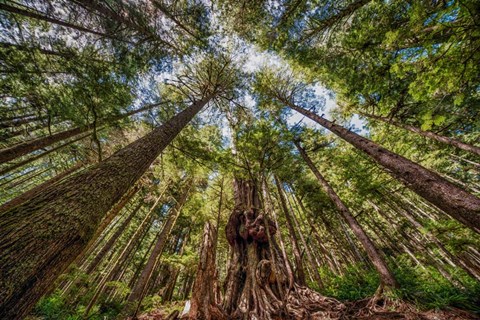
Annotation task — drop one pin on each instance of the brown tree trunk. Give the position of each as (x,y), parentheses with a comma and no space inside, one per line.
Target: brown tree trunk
(29,260)
(310,259)
(125,19)
(446,140)
(329,22)
(375,257)
(41,17)
(431,237)
(257,283)
(300,272)
(135,239)
(41,155)
(456,202)
(203,304)
(19,121)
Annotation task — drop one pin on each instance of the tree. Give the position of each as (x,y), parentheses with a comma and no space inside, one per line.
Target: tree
(386,277)
(90,195)
(456,202)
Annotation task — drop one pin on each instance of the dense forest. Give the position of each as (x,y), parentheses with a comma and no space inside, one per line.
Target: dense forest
(235,159)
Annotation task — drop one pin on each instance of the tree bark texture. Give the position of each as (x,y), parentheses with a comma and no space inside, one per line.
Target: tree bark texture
(27,147)
(257,284)
(138,290)
(203,303)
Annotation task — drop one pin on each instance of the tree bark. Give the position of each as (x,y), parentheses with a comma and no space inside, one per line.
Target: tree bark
(375,257)
(310,258)
(135,239)
(203,303)
(331,21)
(258,283)
(42,236)
(20,120)
(446,140)
(107,246)
(456,202)
(39,16)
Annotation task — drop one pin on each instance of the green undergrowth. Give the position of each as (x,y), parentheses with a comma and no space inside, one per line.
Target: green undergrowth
(427,288)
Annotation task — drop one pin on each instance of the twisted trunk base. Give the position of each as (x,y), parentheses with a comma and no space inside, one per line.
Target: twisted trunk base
(259,284)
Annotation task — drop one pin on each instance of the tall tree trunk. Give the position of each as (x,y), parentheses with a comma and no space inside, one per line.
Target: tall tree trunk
(135,239)
(203,304)
(19,121)
(138,291)
(310,259)
(446,140)
(41,155)
(300,272)
(375,257)
(125,19)
(456,202)
(69,213)
(24,148)
(329,22)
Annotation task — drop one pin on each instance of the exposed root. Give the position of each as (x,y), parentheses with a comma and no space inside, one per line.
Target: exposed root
(387,308)
(304,303)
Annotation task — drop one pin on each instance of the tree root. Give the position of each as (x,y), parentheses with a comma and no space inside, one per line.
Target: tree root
(304,303)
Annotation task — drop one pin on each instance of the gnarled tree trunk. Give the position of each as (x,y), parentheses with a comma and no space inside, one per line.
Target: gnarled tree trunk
(257,284)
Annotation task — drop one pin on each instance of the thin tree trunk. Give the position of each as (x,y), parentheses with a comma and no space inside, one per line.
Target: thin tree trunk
(300,272)
(112,275)
(73,208)
(42,17)
(456,202)
(446,140)
(34,158)
(37,144)
(311,261)
(376,258)
(331,21)
(18,122)
(138,291)
(107,246)
(38,189)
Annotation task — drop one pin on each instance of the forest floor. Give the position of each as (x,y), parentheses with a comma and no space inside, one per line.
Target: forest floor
(359,309)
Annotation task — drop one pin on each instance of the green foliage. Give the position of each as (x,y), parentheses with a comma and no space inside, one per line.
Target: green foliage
(427,288)
(54,307)
(357,283)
